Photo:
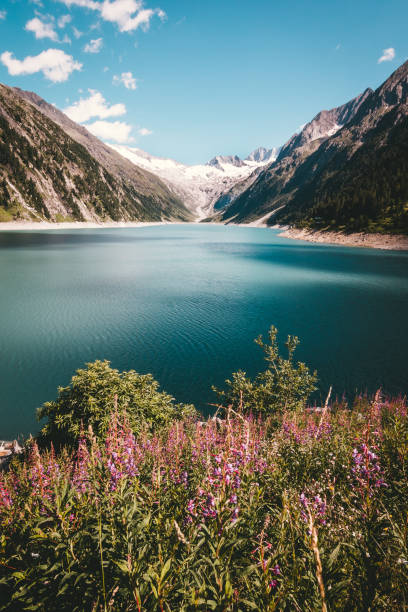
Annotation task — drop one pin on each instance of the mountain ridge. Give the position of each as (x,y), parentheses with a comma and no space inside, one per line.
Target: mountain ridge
(360,179)
(145,185)
(300,186)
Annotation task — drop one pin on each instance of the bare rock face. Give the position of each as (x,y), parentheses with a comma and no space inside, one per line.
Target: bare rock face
(263,155)
(7,451)
(325,124)
(220,160)
(394,91)
(53,169)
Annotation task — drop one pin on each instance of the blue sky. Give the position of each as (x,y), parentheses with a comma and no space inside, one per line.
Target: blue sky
(190,79)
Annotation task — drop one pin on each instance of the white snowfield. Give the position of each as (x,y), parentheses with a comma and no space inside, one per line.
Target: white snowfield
(200,186)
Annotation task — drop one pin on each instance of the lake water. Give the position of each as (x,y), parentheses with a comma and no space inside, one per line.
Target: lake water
(185,303)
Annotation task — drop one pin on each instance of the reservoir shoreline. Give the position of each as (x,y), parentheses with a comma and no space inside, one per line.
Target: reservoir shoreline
(389,242)
(44,225)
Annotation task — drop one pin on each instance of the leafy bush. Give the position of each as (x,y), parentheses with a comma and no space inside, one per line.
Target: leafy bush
(283,386)
(98,391)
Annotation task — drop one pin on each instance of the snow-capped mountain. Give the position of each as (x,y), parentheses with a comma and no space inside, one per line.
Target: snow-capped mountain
(263,156)
(220,161)
(201,185)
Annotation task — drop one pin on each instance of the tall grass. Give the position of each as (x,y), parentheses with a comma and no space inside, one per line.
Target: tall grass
(243,513)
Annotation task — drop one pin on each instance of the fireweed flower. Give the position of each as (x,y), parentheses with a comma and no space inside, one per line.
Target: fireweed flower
(43,473)
(315,506)
(177,477)
(235,513)
(80,478)
(191,507)
(5,496)
(366,469)
(122,453)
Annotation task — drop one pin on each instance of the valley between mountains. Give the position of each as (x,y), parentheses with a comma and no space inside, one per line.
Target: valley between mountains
(345,173)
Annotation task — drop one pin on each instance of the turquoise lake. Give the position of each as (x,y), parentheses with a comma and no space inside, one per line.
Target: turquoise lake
(185,303)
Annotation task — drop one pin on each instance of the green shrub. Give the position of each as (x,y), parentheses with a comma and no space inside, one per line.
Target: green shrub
(283,385)
(98,391)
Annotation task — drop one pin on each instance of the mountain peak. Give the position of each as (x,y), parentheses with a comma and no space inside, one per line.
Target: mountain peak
(325,124)
(395,89)
(219,160)
(263,155)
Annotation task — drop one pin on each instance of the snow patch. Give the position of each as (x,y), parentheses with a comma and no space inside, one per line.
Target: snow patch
(334,129)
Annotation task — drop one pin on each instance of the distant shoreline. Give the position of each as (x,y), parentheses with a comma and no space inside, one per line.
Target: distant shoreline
(389,242)
(44,225)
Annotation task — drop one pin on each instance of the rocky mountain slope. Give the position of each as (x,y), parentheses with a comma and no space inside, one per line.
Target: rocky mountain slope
(51,168)
(351,176)
(358,179)
(270,188)
(325,124)
(199,186)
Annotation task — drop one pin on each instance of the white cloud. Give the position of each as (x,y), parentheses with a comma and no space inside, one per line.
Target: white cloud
(93,106)
(387,56)
(56,65)
(116,131)
(94,46)
(145,132)
(127,79)
(77,33)
(128,15)
(3,15)
(41,29)
(83,3)
(64,20)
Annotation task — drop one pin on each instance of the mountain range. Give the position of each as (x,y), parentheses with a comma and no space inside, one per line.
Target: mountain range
(202,185)
(347,169)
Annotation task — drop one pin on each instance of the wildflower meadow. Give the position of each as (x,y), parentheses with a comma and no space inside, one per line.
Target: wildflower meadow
(305,509)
